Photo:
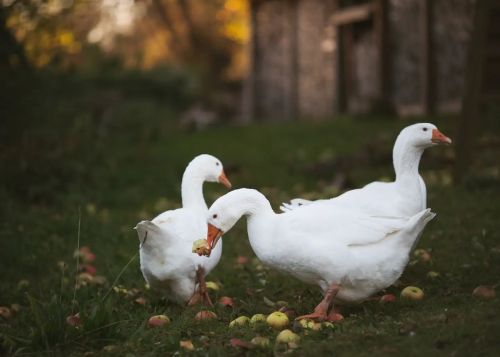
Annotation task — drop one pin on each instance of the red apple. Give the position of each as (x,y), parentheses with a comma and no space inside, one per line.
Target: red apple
(205,315)
(387,298)
(158,320)
(484,292)
(226,301)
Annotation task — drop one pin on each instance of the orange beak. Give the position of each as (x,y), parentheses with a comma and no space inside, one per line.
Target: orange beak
(439,138)
(213,235)
(224,180)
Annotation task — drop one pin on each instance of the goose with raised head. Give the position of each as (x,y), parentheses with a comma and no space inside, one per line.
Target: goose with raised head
(349,254)
(405,196)
(167,263)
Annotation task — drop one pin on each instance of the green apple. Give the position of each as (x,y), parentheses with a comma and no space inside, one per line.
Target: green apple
(412,293)
(257,318)
(240,321)
(287,336)
(310,325)
(212,286)
(260,341)
(277,320)
(433,275)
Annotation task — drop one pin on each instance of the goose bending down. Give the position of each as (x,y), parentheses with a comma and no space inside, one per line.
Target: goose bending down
(167,263)
(403,197)
(350,255)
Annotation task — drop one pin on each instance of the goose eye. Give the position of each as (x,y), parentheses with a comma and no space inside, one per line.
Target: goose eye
(214,216)
(217,164)
(424,129)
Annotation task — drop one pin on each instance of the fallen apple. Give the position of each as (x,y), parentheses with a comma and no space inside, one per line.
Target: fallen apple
(484,292)
(5,312)
(387,298)
(412,293)
(422,255)
(158,320)
(328,325)
(186,345)
(23,284)
(205,315)
(260,341)
(226,301)
(257,318)
(74,320)
(241,260)
(140,301)
(310,325)
(212,286)
(277,320)
(88,268)
(240,321)
(287,336)
(201,247)
(433,275)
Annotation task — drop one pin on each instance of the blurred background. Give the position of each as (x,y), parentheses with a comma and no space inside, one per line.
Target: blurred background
(104,102)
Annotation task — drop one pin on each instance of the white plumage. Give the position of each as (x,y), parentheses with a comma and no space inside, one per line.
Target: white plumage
(167,263)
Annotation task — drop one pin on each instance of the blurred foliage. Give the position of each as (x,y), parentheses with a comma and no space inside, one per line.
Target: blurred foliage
(205,38)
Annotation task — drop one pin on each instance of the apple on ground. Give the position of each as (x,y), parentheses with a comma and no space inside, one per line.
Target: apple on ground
(287,336)
(277,320)
(433,275)
(484,292)
(387,298)
(212,286)
(187,345)
(205,315)
(158,320)
(412,293)
(260,341)
(257,318)
(240,321)
(226,301)
(5,312)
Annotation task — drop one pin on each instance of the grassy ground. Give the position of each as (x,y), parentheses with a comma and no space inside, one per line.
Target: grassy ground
(70,175)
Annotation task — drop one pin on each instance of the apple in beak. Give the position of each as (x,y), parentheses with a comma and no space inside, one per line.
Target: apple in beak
(213,235)
(224,180)
(439,138)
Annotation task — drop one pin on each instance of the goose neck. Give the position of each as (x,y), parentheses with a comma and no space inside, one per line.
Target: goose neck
(192,190)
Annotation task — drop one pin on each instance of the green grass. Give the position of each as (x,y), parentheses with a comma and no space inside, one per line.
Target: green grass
(61,163)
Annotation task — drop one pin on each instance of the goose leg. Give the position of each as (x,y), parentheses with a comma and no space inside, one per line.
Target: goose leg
(201,294)
(321,311)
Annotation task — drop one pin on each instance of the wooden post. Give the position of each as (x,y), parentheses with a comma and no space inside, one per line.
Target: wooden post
(341,98)
(249,103)
(381,26)
(290,85)
(427,61)
(471,116)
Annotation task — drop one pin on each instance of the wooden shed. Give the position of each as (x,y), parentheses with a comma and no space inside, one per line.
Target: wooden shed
(317,58)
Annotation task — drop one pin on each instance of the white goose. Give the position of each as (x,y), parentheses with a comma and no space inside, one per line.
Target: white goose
(349,254)
(405,196)
(167,263)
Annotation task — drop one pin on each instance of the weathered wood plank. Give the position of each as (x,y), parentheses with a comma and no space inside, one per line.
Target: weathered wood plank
(470,118)
(351,14)
(427,62)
